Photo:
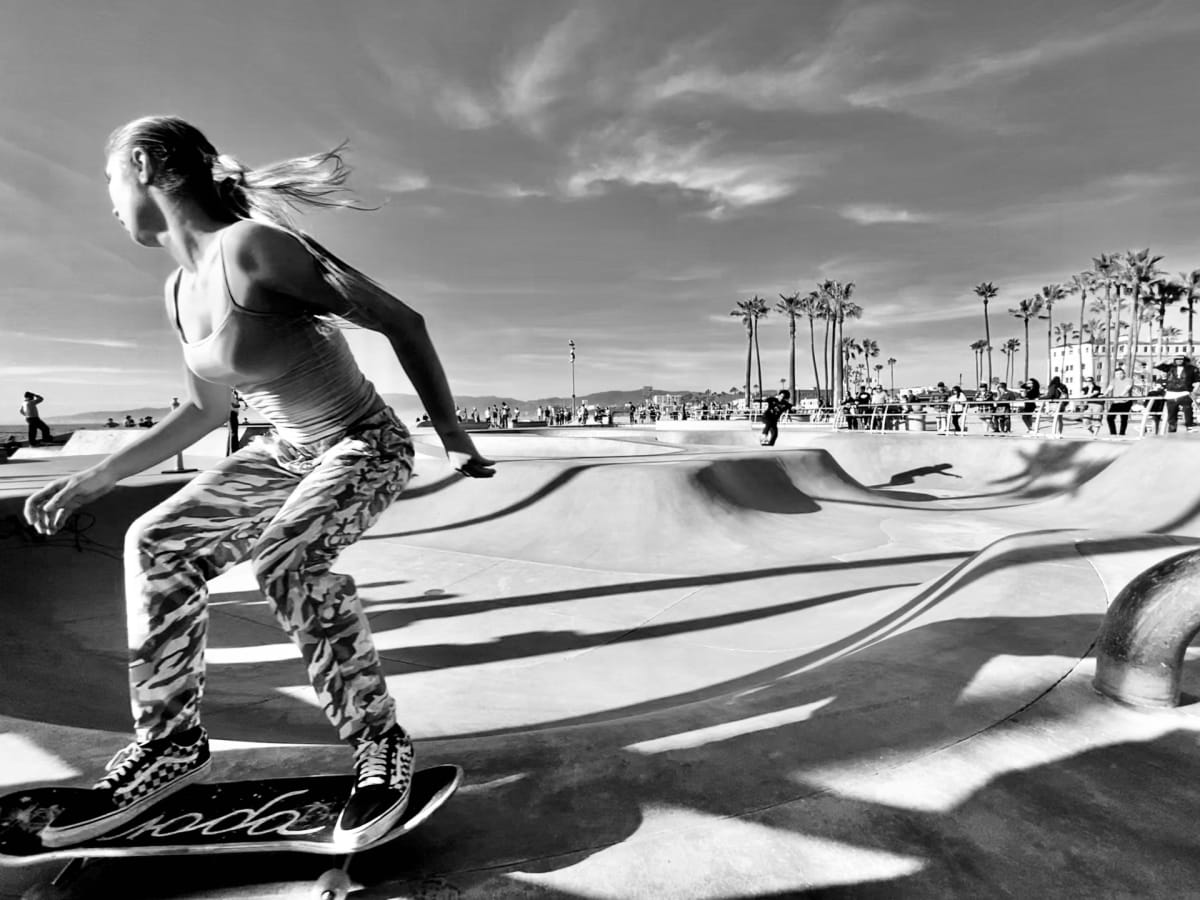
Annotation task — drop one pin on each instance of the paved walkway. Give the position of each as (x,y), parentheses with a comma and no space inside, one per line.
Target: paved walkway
(675,664)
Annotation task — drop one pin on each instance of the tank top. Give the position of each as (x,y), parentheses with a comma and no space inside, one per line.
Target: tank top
(292,368)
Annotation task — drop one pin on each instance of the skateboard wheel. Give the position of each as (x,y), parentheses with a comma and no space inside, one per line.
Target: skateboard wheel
(46,892)
(334,884)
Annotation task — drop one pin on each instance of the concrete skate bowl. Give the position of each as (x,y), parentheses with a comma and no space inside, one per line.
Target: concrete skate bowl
(652,581)
(609,644)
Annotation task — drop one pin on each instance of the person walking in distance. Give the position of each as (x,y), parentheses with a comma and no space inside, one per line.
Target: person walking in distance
(254,303)
(29,409)
(776,408)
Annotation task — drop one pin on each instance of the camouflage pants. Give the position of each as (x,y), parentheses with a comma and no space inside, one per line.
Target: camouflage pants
(290,509)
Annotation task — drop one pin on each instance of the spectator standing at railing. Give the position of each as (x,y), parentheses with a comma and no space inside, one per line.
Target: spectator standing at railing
(1155,403)
(1093,406)
(850,410)
(1057,396)
(1120,389)
(1002,418)
(957,408)
(1031,391)
(983,406)
(1180,377)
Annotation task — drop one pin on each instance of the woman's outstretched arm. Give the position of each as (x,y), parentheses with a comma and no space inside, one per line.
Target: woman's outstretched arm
(277,261)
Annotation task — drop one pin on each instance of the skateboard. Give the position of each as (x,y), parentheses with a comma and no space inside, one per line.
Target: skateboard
(269,815)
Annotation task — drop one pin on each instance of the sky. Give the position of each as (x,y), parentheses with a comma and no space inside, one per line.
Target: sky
(616,173)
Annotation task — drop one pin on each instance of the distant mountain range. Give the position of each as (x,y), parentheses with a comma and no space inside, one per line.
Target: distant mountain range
(404,403)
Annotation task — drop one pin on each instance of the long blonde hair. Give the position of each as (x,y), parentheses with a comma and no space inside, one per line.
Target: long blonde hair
(188,164)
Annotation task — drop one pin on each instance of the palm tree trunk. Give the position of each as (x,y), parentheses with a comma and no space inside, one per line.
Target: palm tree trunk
(812,343)
(1109,347)
(749,358)
(1027,349)
(792,355)
(1079,354)
(987,335)
(838,361)
(1049,343)
(1133,328)
(1191,303)
(825,362)
(758,354)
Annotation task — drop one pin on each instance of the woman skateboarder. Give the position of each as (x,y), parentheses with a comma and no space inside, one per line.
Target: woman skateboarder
(254,303)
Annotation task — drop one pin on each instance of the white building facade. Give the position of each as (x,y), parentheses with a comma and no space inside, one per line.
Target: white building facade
(1073,363)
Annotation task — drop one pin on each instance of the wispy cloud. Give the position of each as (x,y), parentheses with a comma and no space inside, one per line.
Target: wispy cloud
(87,342)
(405,183)
(734,179)
(1096,195)
(814,78)
(461,108)
(975,67)
(877,214)
(533,80)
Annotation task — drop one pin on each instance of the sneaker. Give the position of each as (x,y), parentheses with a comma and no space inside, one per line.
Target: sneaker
(135,779)
(384,769)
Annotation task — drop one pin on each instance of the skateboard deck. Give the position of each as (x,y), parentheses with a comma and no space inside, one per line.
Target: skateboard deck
(218,817)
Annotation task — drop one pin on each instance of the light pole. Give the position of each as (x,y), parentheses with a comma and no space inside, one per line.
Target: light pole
(571,344)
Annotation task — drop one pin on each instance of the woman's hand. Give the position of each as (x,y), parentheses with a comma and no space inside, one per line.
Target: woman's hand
(47,509)
(461,452)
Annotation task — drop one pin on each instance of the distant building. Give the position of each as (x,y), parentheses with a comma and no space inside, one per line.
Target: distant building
(664,401)
(1065,361)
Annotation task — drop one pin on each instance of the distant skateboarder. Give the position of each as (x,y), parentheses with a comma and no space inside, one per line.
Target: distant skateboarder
(251,302)
(29,409)
(777,406)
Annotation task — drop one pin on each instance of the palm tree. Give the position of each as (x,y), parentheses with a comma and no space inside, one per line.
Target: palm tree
(978,348)
(870,349)
(1064,332)
(987,291)
(1107,271)
(810,306)
(825,311)
(1081,283)
(1026,310)
(1141,268)
(1093,328)
(744,311)
(1191,284)
(791,307)
(1050,294)
(1163,293)
(759,308)
(1010,348)
(892,367)
(849,352)
(837,294)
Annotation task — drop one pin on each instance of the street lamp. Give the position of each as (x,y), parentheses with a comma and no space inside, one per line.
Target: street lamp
(571,344)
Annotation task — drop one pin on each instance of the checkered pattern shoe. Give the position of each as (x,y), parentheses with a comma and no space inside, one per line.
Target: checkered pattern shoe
(384,769)
(135,779)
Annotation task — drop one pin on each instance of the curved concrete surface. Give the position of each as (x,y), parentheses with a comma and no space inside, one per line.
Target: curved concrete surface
(858,665)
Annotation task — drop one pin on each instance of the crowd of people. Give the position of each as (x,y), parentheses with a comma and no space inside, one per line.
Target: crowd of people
(143,422)
(1158,402)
